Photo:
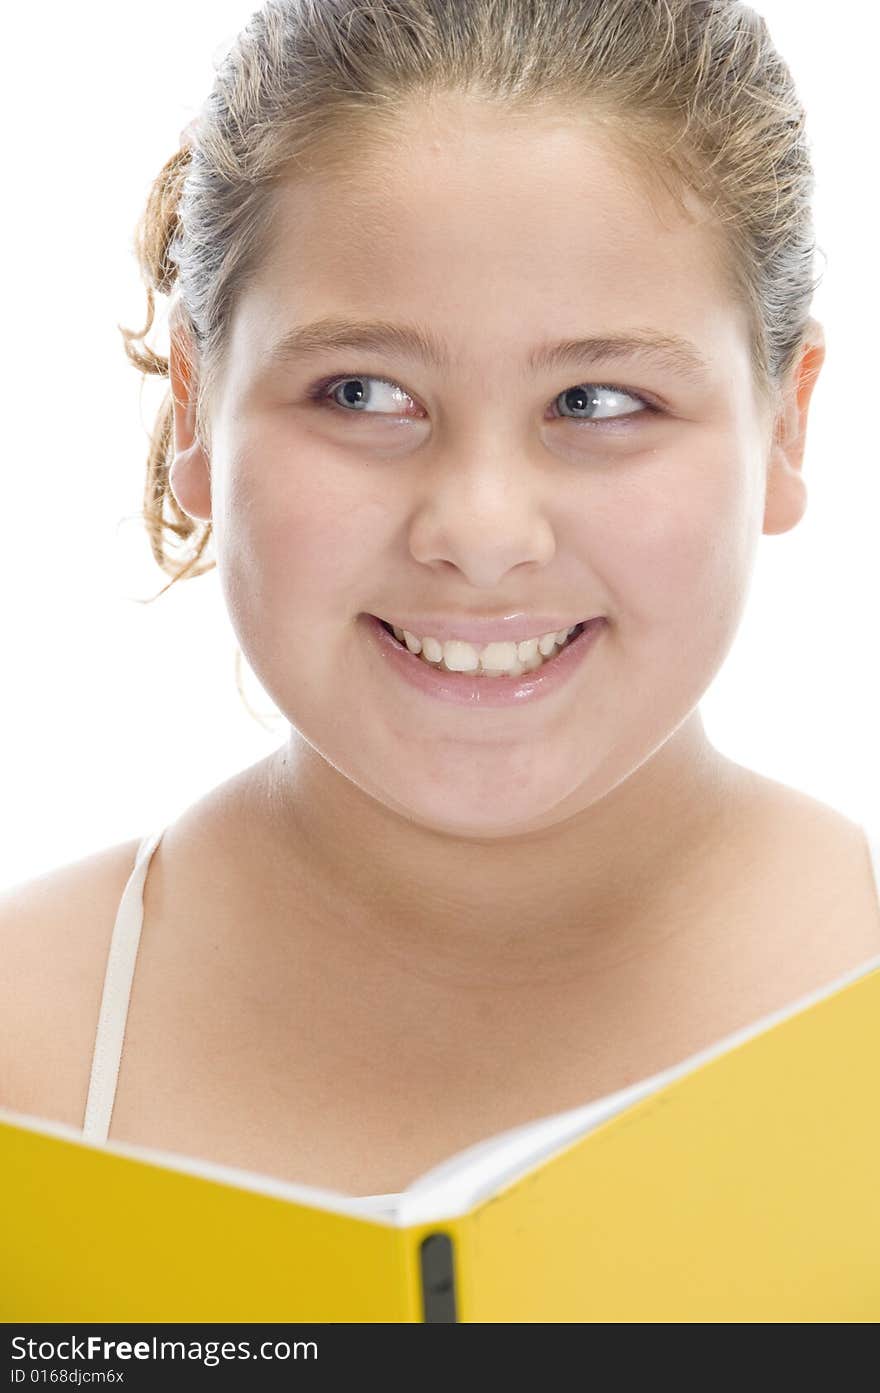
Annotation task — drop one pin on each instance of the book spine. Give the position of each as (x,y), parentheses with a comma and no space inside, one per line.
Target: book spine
(437,1266)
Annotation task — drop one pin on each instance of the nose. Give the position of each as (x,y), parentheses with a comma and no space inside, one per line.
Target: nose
(484,513)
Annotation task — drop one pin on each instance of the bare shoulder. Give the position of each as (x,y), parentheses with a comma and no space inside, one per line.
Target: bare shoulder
(812,823)
(55,933)
(822,862)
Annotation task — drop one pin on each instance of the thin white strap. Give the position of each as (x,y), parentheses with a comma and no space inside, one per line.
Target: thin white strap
(114,1000)
(873,840)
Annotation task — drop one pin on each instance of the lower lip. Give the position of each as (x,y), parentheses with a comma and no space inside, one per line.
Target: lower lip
(466,689)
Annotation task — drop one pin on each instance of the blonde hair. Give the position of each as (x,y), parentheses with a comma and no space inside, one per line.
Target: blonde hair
(693,92)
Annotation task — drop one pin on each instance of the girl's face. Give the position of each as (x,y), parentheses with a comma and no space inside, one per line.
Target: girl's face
(482,486)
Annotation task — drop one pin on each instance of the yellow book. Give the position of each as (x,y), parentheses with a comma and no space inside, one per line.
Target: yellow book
(741,1185)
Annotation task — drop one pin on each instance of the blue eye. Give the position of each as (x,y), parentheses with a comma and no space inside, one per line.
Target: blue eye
(358,394)
(589,399)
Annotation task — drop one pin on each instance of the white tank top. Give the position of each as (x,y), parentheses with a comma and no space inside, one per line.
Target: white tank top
(117,991)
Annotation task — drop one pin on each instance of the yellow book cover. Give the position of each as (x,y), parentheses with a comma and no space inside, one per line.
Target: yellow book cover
(741,1185)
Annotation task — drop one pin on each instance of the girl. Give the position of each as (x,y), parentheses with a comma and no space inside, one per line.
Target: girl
(490,363)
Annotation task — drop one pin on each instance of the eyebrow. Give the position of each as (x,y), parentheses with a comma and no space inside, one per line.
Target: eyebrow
(676,354)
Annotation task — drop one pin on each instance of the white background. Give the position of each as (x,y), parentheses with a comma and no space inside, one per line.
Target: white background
(117,714)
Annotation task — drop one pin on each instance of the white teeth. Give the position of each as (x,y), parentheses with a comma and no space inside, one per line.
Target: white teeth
(500,657)
(497,659)
(460,657)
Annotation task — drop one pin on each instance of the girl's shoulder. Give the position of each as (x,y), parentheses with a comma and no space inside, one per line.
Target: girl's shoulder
(55,932)
(817,872)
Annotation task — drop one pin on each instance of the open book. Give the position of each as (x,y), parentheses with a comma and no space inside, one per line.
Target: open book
(741,1185)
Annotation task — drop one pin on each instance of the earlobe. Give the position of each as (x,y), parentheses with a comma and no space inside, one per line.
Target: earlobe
(189,479)
(786,491)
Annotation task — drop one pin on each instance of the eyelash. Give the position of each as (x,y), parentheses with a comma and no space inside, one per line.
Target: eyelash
(321,394)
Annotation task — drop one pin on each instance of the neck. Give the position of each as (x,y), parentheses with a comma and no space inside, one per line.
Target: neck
(584,894)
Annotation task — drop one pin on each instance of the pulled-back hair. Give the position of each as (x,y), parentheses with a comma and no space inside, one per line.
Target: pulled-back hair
(693,92)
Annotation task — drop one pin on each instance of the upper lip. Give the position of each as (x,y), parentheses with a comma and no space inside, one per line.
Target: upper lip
(506,628)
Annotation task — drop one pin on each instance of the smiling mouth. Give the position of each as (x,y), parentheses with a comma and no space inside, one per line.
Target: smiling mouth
(500,659)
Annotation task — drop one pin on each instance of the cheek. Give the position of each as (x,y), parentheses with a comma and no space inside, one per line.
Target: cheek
(293,546)
(677,544)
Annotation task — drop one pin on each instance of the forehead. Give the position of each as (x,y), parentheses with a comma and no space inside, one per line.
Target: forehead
(492,230)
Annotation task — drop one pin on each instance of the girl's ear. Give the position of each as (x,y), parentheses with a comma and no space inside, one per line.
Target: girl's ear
(190,473)
(786,494)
